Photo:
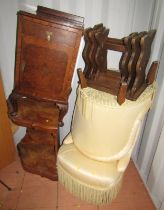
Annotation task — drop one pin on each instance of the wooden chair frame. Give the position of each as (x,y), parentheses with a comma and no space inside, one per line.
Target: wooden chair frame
(131,79)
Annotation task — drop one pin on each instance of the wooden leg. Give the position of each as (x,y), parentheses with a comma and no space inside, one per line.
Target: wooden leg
(152,73)
(122,93)
(82,79)
(38,150)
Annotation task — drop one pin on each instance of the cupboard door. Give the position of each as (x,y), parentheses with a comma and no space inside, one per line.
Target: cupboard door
(7,148)
(46,55)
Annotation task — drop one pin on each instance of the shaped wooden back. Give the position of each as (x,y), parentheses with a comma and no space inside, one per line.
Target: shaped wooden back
(131,80)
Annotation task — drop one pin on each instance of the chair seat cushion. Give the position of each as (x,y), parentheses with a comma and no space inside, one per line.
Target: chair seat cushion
(89,171)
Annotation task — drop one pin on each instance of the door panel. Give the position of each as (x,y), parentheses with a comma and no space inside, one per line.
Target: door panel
(7,148)
(46,55)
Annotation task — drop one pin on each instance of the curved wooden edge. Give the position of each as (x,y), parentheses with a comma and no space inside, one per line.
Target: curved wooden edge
(90,49)
(82,80)
(122,93)
(115,44)
(14,127)
(63,108)
(152,72)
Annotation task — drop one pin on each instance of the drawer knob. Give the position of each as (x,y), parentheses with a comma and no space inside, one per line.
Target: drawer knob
(23,66)
(49,35)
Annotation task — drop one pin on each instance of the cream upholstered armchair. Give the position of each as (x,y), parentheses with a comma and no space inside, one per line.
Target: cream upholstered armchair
(93,158)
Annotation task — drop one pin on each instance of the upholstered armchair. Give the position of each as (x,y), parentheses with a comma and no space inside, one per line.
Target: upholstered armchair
(94,156)
(108,113)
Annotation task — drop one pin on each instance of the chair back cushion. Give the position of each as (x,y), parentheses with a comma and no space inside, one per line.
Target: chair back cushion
(102,129)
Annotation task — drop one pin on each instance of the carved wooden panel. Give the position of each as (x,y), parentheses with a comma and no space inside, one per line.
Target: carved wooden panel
(101,53)
(142,62)
(90,49)
(86,52)
(123,64)
(46,55)
(136,49)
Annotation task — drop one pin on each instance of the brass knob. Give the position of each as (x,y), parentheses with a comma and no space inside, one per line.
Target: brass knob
(49,35)
(23,66)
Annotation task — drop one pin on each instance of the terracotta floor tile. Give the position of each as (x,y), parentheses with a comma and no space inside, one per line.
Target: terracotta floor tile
(130,192)
(143,202)
(32,192)
(41,208)
(135,200)
(133,194)
(3,192)
(117,206)
(31,180)
(130,203)
(11,200)
(80,207)
(13,175)
(3,195)
(38,196)
(131,187)
(131,169)
(13,180)
(14,167)
(67,199)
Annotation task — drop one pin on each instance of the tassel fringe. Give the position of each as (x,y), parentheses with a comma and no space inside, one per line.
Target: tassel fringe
(87,192)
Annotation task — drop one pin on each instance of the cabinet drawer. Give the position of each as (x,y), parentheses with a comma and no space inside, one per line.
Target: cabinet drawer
(48,33)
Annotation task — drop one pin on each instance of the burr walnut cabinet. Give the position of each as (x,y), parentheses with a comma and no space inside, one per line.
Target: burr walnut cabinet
(46,52)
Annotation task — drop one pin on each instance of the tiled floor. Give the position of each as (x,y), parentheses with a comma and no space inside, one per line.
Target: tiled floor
(32,192)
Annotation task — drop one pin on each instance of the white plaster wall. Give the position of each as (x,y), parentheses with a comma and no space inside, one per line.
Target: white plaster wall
(8,20)
(8,23)
(122,17)
(155,179)
(162,207)
(156,115)
(150,161)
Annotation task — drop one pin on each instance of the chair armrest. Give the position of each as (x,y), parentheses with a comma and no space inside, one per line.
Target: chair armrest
(68,139)
(123,163)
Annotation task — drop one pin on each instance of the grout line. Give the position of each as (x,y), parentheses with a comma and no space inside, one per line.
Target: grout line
(57,194)
(18,199)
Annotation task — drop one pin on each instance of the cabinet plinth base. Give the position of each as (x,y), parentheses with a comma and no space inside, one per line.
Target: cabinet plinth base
(37,151)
